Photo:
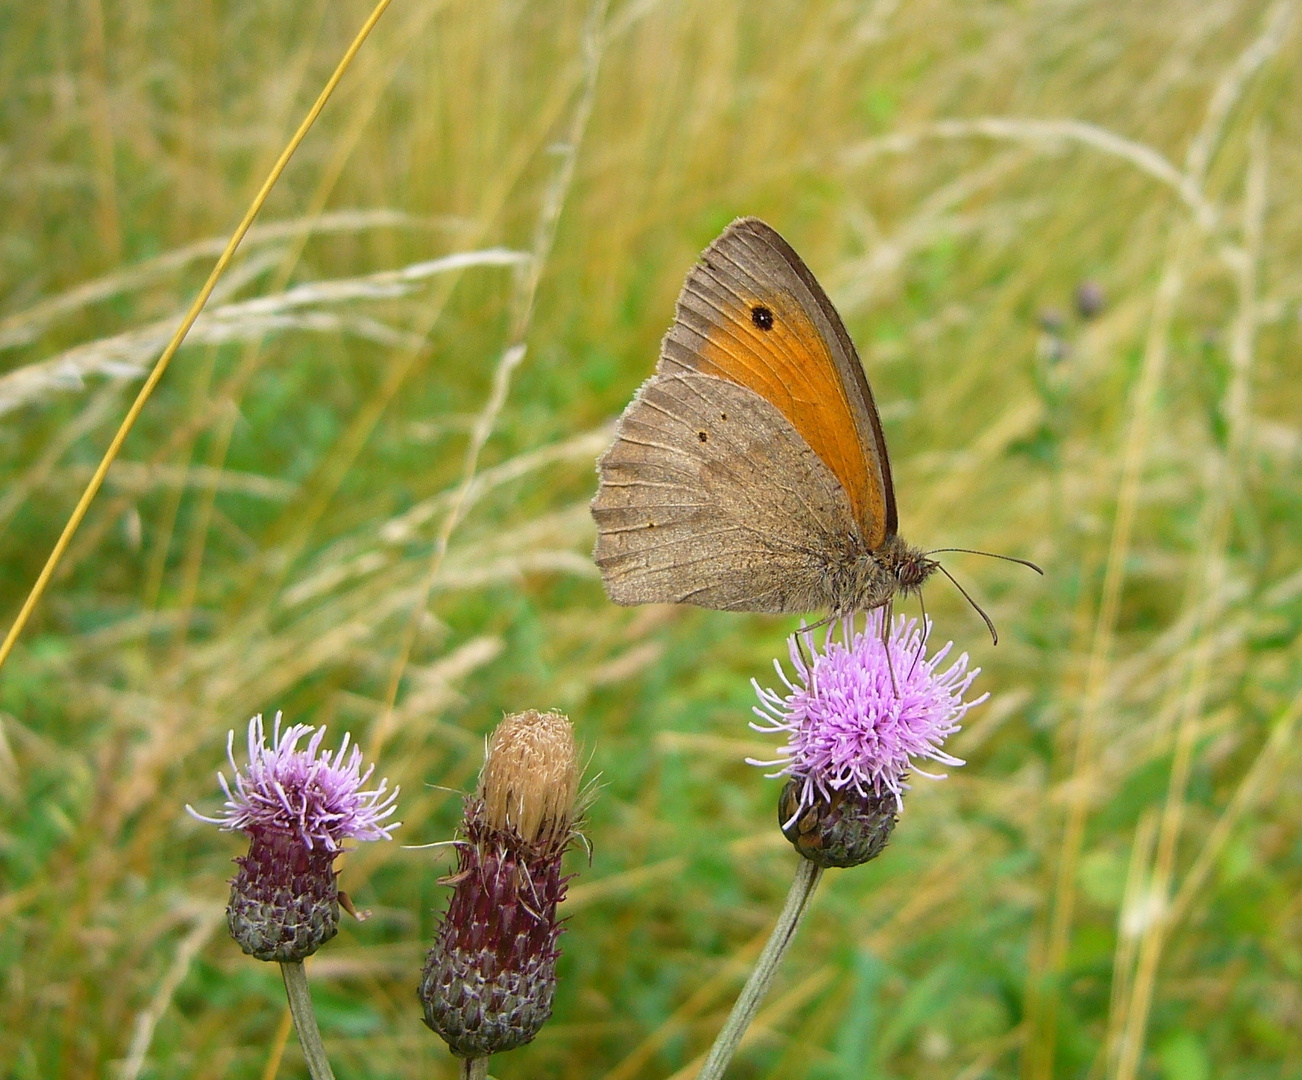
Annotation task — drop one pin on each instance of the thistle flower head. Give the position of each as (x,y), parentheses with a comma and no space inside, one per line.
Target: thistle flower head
(489,980)
(308,793)
(855,720)
(295,806)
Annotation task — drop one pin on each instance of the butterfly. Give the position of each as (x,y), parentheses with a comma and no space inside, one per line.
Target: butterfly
(750,472)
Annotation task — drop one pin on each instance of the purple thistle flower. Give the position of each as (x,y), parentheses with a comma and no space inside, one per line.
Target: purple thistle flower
(288,790)
(850,727)
(296,806)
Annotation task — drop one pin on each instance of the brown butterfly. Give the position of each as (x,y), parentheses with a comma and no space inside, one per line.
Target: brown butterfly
(750,472)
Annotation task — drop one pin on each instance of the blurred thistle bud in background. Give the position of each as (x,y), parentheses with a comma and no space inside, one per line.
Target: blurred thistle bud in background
(489,980)
(854,719)
(1090,299)
(296,806)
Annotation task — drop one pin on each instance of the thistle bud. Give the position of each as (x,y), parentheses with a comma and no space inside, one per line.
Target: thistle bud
(844,830)
(1090,299)
(489,980)
(296,806)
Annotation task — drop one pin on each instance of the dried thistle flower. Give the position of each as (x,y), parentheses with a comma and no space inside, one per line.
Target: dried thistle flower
(296,806)
(530,779)
(855,720)
(489,980)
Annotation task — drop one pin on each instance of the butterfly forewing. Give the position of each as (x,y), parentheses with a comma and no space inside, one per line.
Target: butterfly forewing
(751,313)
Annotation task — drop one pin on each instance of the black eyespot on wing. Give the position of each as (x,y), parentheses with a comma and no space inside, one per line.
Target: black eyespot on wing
(702,436)
(761,317)
(723,416)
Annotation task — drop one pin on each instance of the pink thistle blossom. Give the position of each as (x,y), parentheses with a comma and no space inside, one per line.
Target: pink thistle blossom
(308,793)
(850,725)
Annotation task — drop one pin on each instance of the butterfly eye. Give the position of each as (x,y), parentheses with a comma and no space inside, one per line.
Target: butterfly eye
(761,317)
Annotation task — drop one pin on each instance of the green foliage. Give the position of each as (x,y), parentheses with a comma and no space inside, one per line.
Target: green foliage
(271,538)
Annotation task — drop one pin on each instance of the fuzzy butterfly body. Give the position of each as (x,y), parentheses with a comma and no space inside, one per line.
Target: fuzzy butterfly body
(750,472)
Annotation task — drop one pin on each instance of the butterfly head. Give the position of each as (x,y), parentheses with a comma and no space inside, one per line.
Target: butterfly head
(912,570)
(908,566)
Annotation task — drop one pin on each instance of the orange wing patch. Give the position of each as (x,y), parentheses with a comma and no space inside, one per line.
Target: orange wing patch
(762,338)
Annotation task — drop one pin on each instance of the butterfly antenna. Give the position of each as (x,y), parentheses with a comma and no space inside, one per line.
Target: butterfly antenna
(922,638)
(994,634)
(988,555)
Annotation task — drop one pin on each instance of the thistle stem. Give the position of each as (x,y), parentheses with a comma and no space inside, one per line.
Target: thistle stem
(748,1003)
(309,1035)
(474,1068)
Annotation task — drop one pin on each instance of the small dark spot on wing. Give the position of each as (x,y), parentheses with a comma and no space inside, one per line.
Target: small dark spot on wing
(762,317)
(703,436)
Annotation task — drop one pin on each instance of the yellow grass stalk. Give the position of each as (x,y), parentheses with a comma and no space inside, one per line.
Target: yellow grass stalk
(160,367)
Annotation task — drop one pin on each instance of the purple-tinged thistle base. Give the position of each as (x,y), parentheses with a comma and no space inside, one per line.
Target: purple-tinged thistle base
(489,980)
(847,830)
(285,899)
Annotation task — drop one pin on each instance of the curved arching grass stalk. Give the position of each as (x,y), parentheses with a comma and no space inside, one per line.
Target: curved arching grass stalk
(748,1002)
(160,366)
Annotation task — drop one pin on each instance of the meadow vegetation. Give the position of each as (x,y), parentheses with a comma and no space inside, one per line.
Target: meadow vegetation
(360,496)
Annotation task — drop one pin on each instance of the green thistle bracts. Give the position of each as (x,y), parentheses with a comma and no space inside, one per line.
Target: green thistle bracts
(490,978)
(285,899)
(846,830)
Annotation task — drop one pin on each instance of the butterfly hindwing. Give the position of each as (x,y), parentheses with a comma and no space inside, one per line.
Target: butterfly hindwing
(708,496)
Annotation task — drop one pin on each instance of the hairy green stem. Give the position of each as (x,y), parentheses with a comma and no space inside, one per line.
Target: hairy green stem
(300,1005)
(474,1068)
(748,1003)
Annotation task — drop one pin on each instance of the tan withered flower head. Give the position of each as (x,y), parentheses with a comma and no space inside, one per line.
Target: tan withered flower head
(531,776)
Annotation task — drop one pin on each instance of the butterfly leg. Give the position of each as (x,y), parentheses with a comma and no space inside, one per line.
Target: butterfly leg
(887,609)
(800,645)
(922,639)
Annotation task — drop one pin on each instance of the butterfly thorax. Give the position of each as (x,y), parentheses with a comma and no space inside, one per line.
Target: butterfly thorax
(861,580)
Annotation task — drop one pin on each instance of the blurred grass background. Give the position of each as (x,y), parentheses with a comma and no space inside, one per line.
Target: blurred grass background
(359,491)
